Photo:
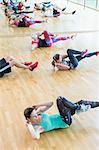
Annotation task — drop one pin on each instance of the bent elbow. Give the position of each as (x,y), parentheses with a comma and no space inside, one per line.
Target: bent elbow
(36,137)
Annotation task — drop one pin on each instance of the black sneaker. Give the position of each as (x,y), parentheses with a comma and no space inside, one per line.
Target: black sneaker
(35,4)
(64,9)
(73,12)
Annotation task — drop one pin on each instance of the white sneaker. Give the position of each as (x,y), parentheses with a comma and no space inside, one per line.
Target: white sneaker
(83,108)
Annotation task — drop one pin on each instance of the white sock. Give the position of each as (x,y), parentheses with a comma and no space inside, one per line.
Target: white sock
(83,108)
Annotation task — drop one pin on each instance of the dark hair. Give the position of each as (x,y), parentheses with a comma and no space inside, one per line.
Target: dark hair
(28,111)
(53,63)
(56,57)
(35,4)
(43,9)
(6,11)
(5,3)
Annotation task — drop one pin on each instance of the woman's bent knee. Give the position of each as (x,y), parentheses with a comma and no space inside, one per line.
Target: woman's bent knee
(69,50)
(59,100)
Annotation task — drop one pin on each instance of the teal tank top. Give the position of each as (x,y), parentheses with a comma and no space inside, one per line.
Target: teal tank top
(50,122)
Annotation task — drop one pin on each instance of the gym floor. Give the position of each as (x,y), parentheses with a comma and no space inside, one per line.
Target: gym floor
(23,88)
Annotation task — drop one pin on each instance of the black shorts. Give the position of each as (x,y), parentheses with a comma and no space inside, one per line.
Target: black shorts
(4,67)
(42,43)
(56,13)
(22,23)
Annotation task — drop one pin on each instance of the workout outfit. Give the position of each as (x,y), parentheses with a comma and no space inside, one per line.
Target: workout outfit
(74,60)
(67,109)
(4,67)
(49,39)
(50,122)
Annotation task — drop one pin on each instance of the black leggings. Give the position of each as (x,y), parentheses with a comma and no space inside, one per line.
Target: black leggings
(74,60)
(68,109)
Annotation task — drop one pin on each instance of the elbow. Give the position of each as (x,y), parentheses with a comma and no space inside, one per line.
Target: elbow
(36,137)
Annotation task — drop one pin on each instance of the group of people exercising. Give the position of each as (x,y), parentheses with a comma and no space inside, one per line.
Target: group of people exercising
(18,13)
(37,121)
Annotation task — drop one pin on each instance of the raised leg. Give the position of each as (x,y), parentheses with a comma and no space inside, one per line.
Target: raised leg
(91,103)
(64,112)
(72,58)
(79,58)
(48,38)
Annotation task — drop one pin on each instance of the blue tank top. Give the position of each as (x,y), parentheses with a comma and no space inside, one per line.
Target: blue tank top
(50,122)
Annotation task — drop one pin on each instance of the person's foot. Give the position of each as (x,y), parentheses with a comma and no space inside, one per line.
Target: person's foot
(33,66)
(64,9)
(35,4)
(36,7)
(83,108)
(84,53)
(97,53)
(27,63)
(73,36)
(73,12)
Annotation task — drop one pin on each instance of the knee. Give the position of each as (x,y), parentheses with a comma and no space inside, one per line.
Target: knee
(9,58)
(69,51)
(45,33)
(12,62)
(59,100)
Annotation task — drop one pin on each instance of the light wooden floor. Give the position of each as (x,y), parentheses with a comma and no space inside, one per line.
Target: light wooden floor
(23,88)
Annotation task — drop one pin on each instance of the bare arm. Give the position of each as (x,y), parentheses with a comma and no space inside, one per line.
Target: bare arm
(12,23)
(43,107)
(35,133)
(62,66)
(64,56)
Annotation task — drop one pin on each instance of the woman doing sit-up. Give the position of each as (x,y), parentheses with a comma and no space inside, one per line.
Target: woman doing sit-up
(51,10)
(73,59)
(7,63)
(24,21)
(47,40)
(38,122)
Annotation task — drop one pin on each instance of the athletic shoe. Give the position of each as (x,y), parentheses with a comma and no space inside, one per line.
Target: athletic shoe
(27,63)
(73,36)
(33,66)
(64,9)
(97,53)
(84,53)
(36,7)
(83,108)
(73,12)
